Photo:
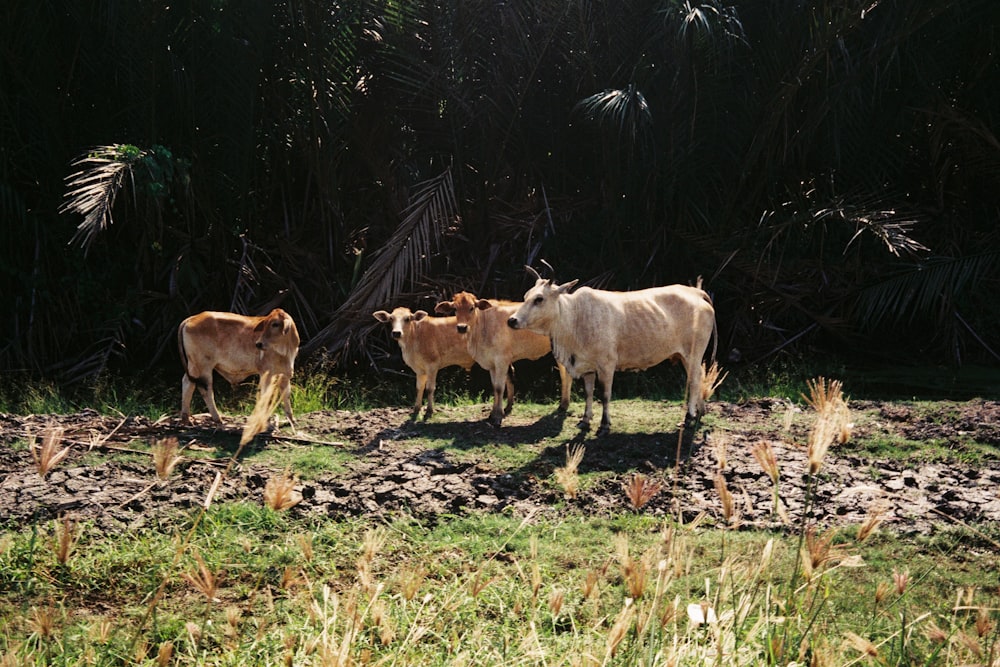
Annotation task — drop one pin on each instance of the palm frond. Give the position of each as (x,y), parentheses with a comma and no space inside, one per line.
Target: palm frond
(923,288)
(402,259)
(92,189)
(622,114)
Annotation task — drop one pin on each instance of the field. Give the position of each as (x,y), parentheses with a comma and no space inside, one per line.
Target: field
(369,538)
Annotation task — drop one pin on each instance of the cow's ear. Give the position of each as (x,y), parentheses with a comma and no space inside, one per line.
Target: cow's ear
(483,304)
(381,315)
(445,308)
(565,287)
(288,325)
(260,325)
(419,315)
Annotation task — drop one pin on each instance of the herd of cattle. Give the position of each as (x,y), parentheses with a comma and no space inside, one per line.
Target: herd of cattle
(591,333)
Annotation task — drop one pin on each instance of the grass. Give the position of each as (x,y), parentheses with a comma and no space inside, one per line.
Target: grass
(245,583)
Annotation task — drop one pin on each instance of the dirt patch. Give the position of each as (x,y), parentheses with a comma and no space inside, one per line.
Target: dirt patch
(105,481)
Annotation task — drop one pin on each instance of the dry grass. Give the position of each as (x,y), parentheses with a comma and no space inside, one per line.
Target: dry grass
(567,476)
(47,455)
(714,376)
(280,493)
(641,489)
(203,579)
(268,398)
(66,536)
(165,456)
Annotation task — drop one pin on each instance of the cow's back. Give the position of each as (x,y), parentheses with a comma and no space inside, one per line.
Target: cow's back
(219,341)
(634,330)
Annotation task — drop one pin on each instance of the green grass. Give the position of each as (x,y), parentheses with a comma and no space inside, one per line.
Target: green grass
(483,589)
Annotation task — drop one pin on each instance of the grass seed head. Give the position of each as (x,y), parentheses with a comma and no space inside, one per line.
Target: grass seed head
(714,376)
(567,476)
(165,654)
(728,506)
(763,452)
(280,493)
(640,489)
(66,536)
(165,456)
(268,398)
(47,455)
(203,579)
(900,579)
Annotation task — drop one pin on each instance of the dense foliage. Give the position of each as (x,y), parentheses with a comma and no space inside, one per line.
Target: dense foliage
(832,169)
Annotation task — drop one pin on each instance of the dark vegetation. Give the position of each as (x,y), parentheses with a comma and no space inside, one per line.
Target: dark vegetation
(831,169)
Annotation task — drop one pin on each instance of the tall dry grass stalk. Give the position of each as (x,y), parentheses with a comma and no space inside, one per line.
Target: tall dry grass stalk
(640,490)
(268,398)
(833,421)
(763,452)
(726,498)
(66,536)
(280,493)
(165,456)
(203,579)
(714,376)
(567,476)
(47,455)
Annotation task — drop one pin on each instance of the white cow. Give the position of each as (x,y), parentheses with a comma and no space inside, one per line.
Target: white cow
(596,332)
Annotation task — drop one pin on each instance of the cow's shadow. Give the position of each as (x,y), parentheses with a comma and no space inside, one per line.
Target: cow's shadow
(470,435)
(622,452)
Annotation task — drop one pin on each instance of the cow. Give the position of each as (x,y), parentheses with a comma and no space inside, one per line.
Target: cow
(236,346)
(495,346)
(428,345)
(596,332)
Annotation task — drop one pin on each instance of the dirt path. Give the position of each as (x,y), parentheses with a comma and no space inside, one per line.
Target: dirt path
(102,481)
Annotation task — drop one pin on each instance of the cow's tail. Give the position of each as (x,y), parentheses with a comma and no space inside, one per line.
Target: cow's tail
(198,382)
(715,327)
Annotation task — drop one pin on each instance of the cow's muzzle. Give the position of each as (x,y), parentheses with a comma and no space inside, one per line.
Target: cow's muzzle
(512,323)
(396,335)
(260,345)
(462,328)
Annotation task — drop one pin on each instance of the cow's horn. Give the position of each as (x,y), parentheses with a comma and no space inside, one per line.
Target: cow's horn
(532,272)
(552,272)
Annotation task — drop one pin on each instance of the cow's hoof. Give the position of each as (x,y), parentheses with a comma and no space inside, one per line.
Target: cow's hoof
(603,430)
(583,424)
(691,422)
(507,410)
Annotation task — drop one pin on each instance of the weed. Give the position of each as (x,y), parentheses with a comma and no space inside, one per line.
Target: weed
(48,455)
(567,476)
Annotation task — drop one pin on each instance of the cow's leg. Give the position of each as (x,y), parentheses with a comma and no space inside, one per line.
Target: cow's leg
(509,388)
(588,408)
(286,399)
(431,381)
(499,381)
(421,385)
(205,388)
(606,379)
(565,385)
(187,392)
(695,379)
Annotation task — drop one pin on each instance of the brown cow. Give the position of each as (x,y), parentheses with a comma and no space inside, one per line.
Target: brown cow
(596,332)
(428,345)
(236,346)
(495,346)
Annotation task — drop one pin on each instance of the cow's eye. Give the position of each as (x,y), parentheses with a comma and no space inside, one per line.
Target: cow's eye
(275,325)
(538,300)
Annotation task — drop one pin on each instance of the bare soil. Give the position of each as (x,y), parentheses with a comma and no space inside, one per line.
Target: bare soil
(388,472)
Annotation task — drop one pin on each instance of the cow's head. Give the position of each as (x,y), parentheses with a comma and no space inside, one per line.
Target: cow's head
(398,319)
(466,307)
(541,306)
(277,332)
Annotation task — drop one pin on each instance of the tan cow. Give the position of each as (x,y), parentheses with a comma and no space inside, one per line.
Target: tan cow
(495,346)
(428,345)
(596,332)
(236,346)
